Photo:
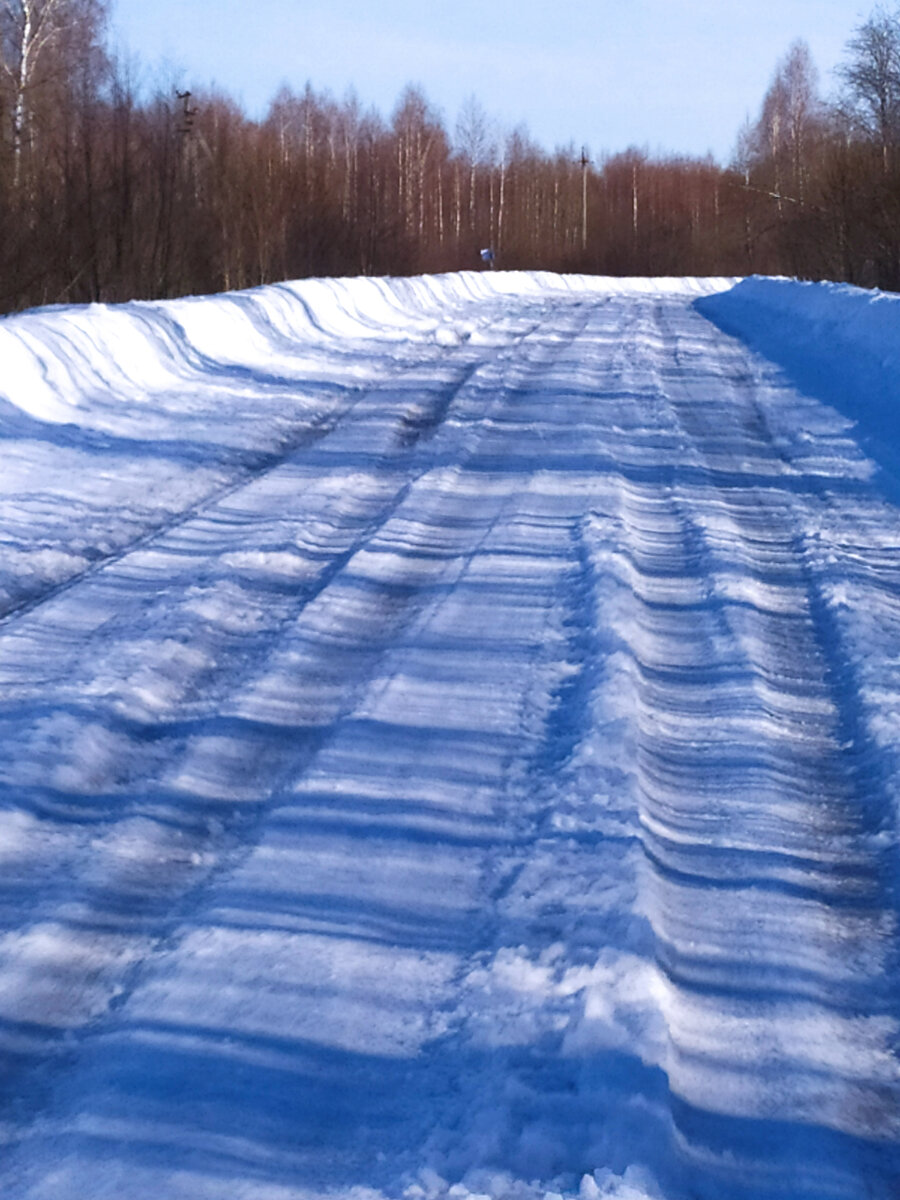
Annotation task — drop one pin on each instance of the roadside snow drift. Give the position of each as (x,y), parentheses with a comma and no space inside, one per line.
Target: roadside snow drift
(840,343)
(449,738)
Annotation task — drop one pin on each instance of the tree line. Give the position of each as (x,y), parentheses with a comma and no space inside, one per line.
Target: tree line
(107,193)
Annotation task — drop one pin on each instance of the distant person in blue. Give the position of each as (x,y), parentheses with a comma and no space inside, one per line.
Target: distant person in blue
(487,256)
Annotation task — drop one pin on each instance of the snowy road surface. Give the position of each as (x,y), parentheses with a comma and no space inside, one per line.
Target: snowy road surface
(448,748)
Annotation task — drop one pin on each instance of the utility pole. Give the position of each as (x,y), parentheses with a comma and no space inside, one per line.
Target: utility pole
(585,163)
(187,113)
(185,131)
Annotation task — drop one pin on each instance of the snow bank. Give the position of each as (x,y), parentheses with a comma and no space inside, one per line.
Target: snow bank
(54,360)
(838,316)
(838,343)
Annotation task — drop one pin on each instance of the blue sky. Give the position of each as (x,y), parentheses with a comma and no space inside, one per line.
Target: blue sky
(675,75)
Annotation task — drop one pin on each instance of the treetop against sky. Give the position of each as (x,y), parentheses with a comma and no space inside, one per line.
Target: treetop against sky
(679,75)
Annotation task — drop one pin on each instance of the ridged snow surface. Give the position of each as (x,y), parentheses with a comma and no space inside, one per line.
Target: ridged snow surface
(448,743)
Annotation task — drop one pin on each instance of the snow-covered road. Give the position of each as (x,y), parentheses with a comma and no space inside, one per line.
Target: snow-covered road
(448,747)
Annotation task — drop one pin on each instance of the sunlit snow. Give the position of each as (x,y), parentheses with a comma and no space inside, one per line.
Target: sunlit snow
(449,743)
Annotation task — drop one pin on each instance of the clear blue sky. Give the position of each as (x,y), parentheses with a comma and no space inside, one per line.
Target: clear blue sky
(676,75)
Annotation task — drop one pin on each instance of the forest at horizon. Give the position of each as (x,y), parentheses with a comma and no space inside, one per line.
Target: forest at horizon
(110,193)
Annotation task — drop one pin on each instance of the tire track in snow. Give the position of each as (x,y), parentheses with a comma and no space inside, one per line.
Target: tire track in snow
(766,1008)
(573,878)
(274,758)
(258,465)
(526,1090)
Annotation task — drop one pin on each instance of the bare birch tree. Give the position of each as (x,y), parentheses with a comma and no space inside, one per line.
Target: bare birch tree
(28,29)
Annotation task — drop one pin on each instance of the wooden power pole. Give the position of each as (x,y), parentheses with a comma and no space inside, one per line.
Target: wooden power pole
(585,163)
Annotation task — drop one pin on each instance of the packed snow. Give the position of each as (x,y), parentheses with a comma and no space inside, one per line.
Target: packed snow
(449,743)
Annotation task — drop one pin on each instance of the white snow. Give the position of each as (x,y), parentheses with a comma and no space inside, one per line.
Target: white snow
(449,743)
